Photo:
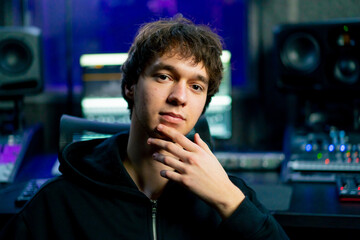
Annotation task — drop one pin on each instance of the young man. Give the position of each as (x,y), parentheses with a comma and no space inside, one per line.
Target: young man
(152,182)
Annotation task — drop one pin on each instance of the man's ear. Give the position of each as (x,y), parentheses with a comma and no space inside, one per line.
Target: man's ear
(129,92)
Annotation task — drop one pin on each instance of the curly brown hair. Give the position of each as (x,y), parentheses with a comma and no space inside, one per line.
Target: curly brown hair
(174,35)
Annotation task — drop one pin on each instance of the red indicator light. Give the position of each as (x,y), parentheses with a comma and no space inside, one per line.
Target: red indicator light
(357,160)
(358,188)
(341,188)
(349,160)
(327,161)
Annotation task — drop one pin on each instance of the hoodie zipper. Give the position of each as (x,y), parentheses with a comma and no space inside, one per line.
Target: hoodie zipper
(153,217)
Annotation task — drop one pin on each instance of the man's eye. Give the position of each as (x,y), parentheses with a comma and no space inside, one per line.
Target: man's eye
(163,77)
(197,87)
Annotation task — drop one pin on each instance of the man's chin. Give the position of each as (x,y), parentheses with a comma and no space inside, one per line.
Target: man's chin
(157,134)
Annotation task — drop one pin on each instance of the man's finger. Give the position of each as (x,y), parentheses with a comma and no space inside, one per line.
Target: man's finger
(177,137)
(201,143)
(169,161)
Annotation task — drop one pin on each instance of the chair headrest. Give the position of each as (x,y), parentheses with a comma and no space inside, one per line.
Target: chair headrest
(71,126)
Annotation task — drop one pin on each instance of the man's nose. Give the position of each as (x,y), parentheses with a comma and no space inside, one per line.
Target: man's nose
(178,94)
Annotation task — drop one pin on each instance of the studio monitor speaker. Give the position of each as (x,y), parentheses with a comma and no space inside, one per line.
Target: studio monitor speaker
(321,57)
(20,61)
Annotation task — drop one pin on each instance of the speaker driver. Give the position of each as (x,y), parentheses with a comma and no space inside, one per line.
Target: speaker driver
(347,70)
(15,57)
(301,53)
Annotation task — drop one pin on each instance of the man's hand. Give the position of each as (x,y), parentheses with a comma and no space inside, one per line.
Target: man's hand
(197,168)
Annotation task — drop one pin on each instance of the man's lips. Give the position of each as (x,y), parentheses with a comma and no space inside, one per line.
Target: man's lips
(172,115)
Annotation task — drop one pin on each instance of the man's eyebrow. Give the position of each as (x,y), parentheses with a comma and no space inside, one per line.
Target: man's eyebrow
(203,79)
(162,66)
(172,69)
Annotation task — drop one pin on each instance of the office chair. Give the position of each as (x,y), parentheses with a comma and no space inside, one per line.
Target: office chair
(75,128)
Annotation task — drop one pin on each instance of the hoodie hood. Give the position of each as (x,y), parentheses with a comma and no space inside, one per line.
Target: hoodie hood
(98,161)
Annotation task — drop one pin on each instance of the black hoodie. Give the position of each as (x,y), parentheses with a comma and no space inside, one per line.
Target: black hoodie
(95,198)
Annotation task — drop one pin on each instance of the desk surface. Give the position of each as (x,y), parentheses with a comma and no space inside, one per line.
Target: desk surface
(309,205)
(313,205)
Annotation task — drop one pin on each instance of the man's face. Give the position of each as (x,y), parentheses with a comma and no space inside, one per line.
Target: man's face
(171,91)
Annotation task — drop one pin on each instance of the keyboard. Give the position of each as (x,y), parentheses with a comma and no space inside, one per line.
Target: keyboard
(30,189)
(250,160)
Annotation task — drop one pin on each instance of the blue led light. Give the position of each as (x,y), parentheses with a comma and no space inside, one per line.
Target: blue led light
(308,147)
(331,148)
(342,148)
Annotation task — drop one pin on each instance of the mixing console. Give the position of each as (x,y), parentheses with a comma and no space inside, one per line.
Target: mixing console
(14,148)
(10,149)
(321,157)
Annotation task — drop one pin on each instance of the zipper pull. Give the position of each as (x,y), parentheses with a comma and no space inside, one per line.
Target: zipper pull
(154,206)
(153,216)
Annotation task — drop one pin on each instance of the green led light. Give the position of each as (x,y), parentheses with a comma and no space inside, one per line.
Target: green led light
(319,155)
(346,28)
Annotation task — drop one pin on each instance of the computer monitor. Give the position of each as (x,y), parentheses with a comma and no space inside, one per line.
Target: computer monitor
(102,98)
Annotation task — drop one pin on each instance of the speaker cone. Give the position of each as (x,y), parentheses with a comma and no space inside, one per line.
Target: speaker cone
(15,57)
(347,70)
(301,52)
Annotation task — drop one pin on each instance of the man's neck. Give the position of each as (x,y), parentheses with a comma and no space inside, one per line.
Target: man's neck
(143,170)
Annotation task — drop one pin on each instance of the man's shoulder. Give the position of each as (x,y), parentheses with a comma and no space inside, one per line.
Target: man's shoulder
(53,186)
